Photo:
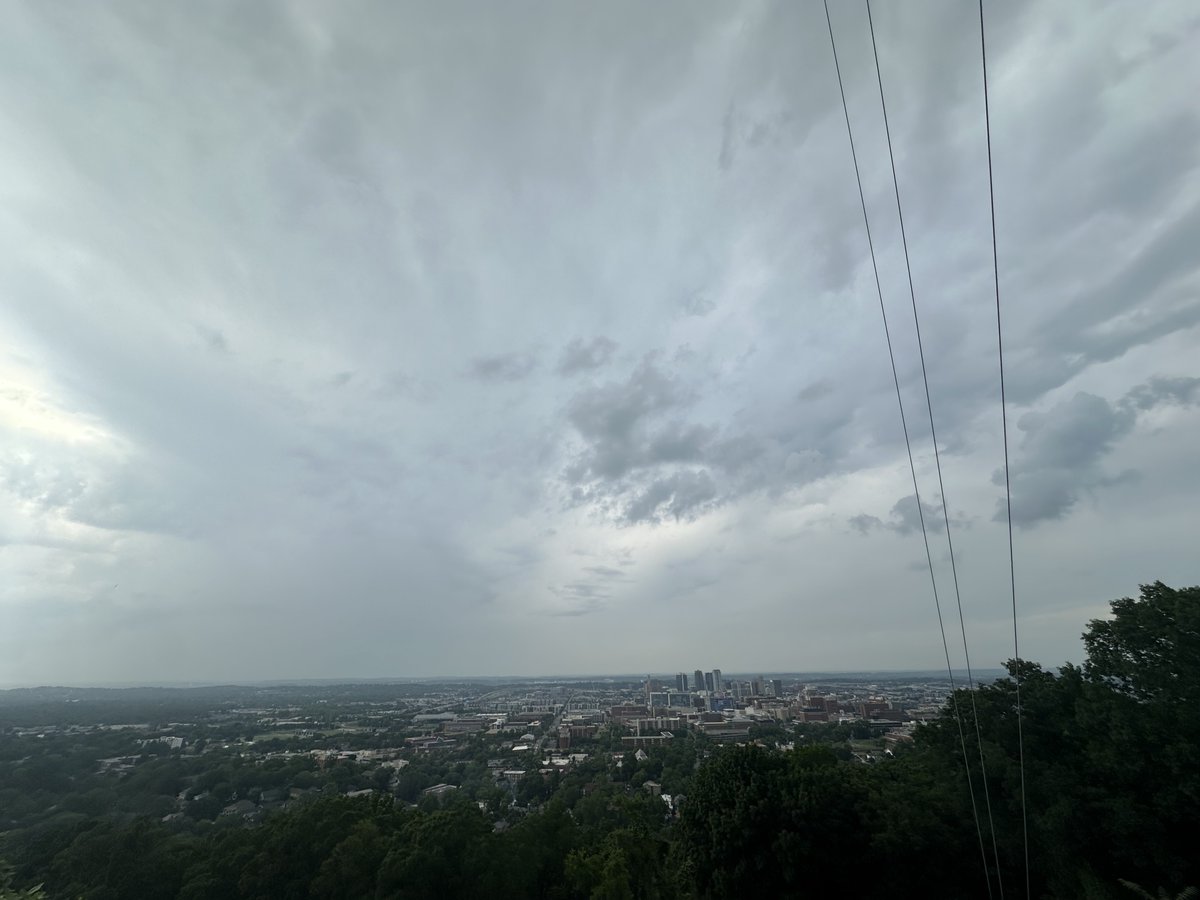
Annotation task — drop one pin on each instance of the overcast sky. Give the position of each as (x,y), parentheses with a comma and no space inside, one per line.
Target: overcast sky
(463,338)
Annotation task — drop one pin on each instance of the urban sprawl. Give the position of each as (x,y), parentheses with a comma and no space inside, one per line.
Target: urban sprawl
(285,742)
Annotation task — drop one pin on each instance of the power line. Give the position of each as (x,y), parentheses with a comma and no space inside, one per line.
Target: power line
(908,445)
(937,456)
(1012,570)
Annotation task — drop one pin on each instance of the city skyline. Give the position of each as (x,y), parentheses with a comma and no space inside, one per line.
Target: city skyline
(859,674)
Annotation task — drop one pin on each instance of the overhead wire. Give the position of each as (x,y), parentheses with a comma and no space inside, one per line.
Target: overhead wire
(908,446)
(937,456)
(1012,569)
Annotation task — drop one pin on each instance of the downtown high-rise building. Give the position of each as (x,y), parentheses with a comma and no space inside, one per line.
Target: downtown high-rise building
(699,683)
(718,683)
(708,682)
(651,686)
(681,682)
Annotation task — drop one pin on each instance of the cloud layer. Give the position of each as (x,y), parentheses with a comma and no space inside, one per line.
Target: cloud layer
(395,340)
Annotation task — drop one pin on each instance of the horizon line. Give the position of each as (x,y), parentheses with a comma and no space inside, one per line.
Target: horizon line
(409,679)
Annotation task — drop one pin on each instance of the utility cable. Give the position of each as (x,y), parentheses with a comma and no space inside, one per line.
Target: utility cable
(1012,569)
(908,444)
(937,456)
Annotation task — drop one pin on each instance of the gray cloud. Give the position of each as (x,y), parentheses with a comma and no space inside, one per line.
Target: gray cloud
(584,356)
(865,524)
(620,423)
(213,338)
(1097,325)
(263,288)
(1062,449)
(757,129)
(580,598)
(680,495)
(815,391)
(904,518)
(698,304)
(725,157)
(503,367)
(1060,455)
(592,590)
(1158,391)
(644,460)
(606,572)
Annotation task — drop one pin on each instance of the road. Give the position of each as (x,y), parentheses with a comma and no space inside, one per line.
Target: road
(552,731)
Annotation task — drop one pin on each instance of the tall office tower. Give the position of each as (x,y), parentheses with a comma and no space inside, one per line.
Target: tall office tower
(699,683)
(757,686)
(681,682)
(777,684)
(718,684)
(708,682)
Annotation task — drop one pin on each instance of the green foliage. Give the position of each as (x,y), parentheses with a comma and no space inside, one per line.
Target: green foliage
(1110,752)
(628,864)
(1149,650)
(770,734)
(754,817)
(9,892)
(1162,894)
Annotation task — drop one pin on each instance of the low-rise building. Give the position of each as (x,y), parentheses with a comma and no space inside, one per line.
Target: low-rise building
(646,740)
(440,791)
(465,725)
